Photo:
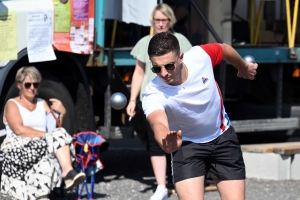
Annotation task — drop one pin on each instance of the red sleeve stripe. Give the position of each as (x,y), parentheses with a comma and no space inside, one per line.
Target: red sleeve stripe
(214,51)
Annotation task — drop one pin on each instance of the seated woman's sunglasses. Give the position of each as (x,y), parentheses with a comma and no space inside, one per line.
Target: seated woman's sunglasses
(157,69)
(27,85)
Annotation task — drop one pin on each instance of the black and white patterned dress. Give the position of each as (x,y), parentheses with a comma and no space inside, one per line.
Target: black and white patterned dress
(30,169)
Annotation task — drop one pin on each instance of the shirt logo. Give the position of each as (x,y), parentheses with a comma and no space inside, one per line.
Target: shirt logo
(204,80)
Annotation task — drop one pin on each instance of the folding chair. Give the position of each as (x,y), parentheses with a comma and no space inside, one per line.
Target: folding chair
(87,147)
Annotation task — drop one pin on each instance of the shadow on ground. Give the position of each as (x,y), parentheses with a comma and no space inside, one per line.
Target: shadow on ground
(130,164)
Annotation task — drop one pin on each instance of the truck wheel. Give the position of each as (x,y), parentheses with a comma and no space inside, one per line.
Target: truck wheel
(84,116)
(83,113)
(52,88)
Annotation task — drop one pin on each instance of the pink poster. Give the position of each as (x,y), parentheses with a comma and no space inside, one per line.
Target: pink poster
(74,26)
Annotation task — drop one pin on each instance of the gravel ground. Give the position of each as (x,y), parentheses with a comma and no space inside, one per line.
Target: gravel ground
(128,176)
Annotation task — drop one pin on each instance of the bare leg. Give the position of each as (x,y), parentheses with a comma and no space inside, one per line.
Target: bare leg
(159,165)
(231,189)
(190,189)
(64,158)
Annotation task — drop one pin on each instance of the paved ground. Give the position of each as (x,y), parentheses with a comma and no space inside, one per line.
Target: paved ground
(128,176)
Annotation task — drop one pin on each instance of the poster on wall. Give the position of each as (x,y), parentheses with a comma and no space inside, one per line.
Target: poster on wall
(39,36)
(8,36)
(74,26)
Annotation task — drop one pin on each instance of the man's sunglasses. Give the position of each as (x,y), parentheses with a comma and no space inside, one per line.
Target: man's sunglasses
(28,85)
(157,69)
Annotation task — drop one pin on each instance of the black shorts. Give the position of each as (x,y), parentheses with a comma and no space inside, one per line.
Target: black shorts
(220,159)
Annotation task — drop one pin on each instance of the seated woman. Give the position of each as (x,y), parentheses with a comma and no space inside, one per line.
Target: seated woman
(34,160)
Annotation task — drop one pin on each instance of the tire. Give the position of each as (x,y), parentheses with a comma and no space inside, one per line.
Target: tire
(53,88)
(84,117)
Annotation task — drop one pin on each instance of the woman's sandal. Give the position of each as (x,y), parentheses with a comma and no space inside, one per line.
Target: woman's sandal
(44,197)
(73,179)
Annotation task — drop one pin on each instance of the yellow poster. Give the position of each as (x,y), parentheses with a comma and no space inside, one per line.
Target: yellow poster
(8,35)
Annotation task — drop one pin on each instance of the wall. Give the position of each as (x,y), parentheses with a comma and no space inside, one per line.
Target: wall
(219,15)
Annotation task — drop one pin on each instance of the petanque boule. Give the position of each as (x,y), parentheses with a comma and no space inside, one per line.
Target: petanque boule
(118,100)
(249,58)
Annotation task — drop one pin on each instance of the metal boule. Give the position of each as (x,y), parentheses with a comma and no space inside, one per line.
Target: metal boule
(118,100)
(249,58)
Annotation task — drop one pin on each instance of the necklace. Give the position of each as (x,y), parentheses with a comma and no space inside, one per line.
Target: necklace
(28,104)
(185,73)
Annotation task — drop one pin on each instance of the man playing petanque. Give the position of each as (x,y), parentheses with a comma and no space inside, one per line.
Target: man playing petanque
(184,107)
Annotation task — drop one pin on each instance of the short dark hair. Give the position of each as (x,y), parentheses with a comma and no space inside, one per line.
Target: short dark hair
(163,43)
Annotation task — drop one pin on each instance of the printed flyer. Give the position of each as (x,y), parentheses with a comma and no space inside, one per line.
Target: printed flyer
(74,26)
(39,36)
(8,36)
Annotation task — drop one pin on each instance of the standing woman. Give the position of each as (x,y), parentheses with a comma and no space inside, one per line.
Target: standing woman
(163,20)
(34,161)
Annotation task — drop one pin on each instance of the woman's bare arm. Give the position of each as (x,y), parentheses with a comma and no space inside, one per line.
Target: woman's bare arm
(136,83)
(14,119)
(58,106)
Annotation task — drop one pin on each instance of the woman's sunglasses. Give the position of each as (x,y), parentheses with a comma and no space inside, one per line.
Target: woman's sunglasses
(28,85)
(157,69)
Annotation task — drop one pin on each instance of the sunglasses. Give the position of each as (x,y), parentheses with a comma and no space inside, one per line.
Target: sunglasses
(164,21)
(28,85)
(157,69)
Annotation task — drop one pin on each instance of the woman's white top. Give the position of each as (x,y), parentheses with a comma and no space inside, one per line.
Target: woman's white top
(35,119)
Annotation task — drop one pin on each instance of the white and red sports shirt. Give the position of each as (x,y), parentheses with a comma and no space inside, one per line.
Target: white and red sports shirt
(196,106)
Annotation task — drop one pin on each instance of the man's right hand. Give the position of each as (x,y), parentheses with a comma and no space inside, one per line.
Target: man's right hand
(131,108)
(172,142)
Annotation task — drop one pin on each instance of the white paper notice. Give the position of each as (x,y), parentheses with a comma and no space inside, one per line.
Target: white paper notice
(40,36)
